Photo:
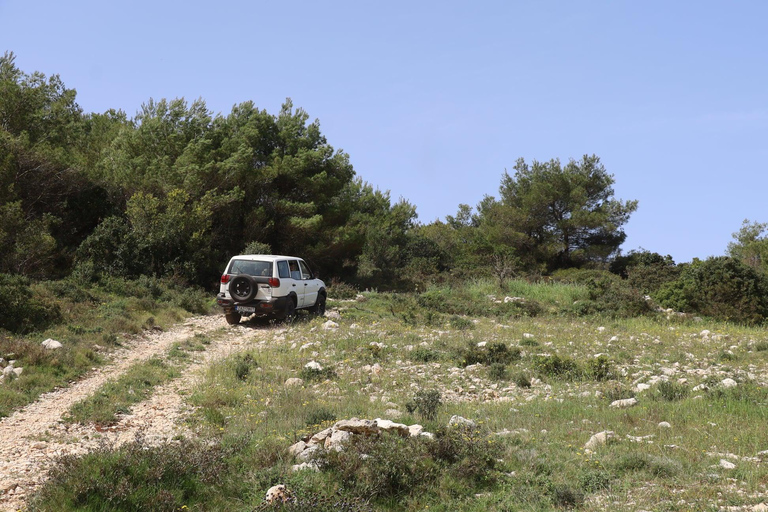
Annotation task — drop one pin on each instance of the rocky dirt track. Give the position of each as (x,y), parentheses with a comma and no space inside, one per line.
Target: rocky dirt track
(31,438)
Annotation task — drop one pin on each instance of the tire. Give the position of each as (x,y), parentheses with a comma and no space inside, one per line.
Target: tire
(289,313)
(232,318)
(319,307)
(242,288)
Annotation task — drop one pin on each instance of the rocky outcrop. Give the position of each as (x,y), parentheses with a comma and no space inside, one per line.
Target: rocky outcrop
(341,433)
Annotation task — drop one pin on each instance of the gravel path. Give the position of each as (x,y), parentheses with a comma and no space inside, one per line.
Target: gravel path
(32,437)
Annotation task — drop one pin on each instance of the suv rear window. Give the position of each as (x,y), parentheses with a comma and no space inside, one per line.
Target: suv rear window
(250,267)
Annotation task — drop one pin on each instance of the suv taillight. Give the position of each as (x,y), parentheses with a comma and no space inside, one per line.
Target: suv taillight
(224,278)
(274,282)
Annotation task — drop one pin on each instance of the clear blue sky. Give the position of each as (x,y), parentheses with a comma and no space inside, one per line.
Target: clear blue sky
(434,100)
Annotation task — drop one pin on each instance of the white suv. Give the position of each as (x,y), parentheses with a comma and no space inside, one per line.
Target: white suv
(268,285)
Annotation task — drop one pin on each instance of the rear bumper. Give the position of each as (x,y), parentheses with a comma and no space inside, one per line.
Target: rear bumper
(275,305)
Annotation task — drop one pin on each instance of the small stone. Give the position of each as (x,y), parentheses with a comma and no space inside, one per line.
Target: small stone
(330,324)
(458,421)
(415,430)
(643,387)
(314,365)
(305,466)
(728,383)
(294,382)
(18,371)
(277,494)
(51,344)
(665,424)
(599,439)
(623,404)
(727,464)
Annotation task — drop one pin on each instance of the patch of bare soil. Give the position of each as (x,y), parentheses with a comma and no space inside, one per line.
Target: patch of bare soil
(33,437)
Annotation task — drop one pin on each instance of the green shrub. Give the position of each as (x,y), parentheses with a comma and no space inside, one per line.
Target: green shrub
(23,308)
(493,352)
(522,380)
(663,467)
(616,298)
(426,402)
(423,355)
(461,323)
(396,467)
(556,366)
(243,364)
(257,248)
(599,368)
(720,287)
(672,391)
(498,371)
(313,374)
(340,290)
(615,390)
(169,478)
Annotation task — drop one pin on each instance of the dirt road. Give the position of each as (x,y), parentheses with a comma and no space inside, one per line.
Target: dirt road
(31,438)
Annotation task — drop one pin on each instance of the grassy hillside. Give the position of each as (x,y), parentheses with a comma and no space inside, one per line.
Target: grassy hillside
(89,319)
(536,381)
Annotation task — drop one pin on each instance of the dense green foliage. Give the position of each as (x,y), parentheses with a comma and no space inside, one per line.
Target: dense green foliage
(176,190)
(720,287)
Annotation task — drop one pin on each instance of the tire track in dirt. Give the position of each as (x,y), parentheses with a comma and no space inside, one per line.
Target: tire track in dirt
(32,437)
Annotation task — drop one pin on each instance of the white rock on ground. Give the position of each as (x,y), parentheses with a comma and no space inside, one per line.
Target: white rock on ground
(294,382)
(665,424)
(458,421)
(313,365)
(623,404)
(51,344)
(727,464)
(330,324)
(277,494)
(598,440)
(728,383)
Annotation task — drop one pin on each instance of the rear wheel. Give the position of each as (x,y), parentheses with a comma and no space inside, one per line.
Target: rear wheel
(319,307)
(289,314)
(232,318)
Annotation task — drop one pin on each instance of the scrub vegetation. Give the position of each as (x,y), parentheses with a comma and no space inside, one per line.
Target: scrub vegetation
(521,314)
(536,387)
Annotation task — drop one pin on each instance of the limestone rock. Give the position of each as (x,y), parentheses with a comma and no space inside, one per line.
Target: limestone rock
(314,365)
(294,382)
(337,439)
(320,437)
(598,440)
(51,344)
(277,494)
(307,454)
(391,426)
(297,448)
(623,404)
(725,464)
(458,421)
(665,424)
(330,324)
(357,426)
(415,430)
(728,383)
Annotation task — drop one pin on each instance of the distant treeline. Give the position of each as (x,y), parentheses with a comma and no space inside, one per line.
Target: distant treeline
(176,190)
